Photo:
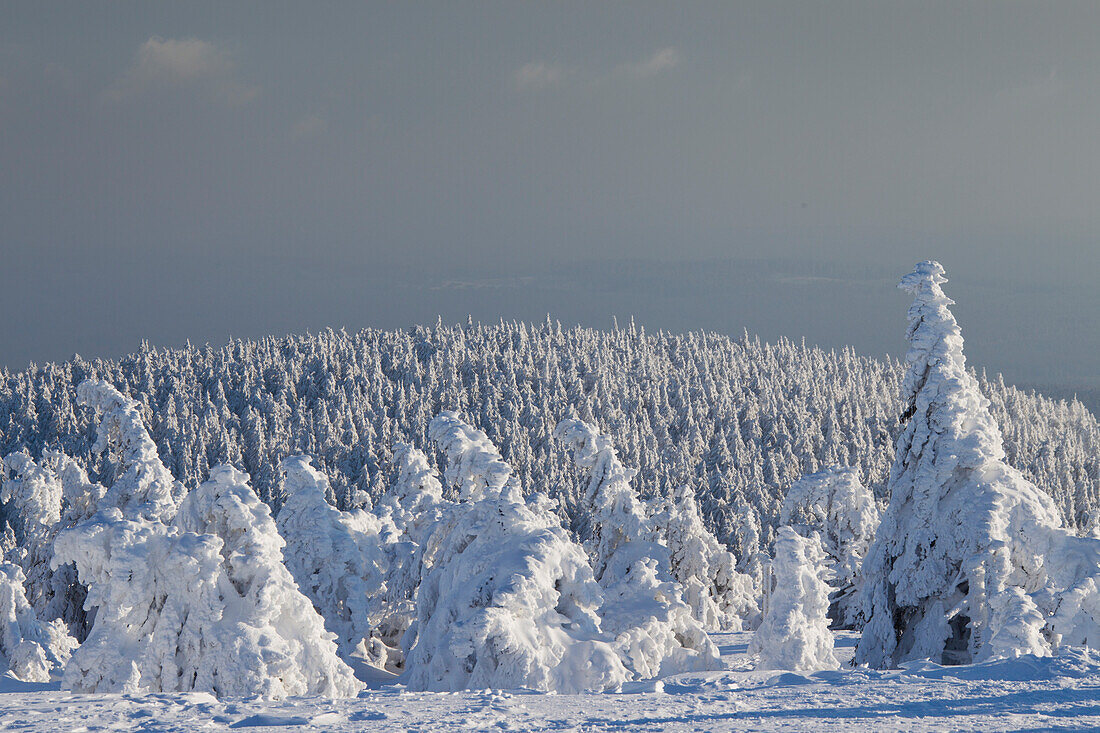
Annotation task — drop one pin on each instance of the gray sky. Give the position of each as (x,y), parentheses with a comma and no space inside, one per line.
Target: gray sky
(195,170)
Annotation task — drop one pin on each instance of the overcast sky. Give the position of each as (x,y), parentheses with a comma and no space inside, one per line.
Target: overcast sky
(196,170)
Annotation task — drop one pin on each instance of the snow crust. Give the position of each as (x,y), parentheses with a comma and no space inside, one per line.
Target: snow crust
(1025,693)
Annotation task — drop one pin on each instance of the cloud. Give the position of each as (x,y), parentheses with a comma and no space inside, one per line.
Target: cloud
(541,75)
(309,126)
(661,60)
(537,74)
(187,62)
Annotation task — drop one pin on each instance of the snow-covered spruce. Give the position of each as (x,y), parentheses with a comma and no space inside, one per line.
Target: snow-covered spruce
(337,559)
(284,648)
(794,632)
(720,598)
(31,650)
(644,610)
(510,600)
(138,484)
(474,465)
(970,561)
(170,619)
(842,511)
(31,494)
(413,508)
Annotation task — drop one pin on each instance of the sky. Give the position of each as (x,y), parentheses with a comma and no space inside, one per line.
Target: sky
(195,171)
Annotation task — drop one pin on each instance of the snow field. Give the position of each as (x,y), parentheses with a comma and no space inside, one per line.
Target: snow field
(1028,693)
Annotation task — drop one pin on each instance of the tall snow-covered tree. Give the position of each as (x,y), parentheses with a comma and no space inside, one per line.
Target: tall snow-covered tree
(970,560)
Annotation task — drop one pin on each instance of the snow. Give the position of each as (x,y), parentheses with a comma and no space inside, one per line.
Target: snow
(1028,693)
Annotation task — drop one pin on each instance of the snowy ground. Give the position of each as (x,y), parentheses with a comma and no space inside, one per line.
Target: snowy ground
(1028,694)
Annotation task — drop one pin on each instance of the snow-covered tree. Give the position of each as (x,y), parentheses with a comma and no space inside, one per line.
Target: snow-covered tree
(794,632)
(510,602)
(414,508)
(616,515)
(202,604)
(834,504)
(30,649)
(139,485)
(337,559)
(31,494)
(970,560)
(413,504)
(474,465)
(720,597)
(169,618)
(654,629)
(284,648)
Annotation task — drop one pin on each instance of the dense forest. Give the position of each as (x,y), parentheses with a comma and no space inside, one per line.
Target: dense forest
(736,420)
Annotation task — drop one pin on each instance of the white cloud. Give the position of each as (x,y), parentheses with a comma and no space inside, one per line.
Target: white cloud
(540,75)
(537,74)
(661,60)
(169,62)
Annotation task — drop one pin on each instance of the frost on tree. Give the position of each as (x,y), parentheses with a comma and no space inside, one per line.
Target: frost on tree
(31,650)
(413,507)
(842,511)
(283,647)
(794,632)
(40,499)
(474,465)
(509,600)
(337,559)
(644,611)
(970,561)
(720,598)
(180,611)
(138,484)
